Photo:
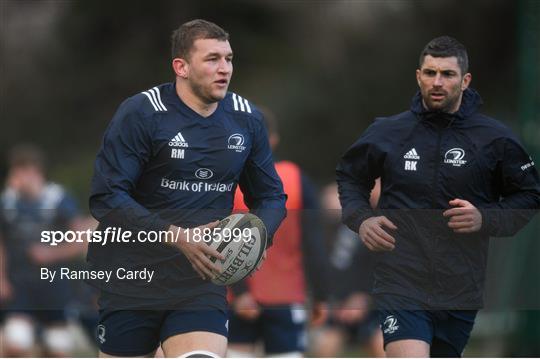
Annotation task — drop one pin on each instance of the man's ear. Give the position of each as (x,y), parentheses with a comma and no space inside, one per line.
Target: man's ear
(466,81)
(180,67)
(418,77)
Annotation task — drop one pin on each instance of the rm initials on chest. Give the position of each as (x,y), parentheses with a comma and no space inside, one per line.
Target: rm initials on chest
(177,153)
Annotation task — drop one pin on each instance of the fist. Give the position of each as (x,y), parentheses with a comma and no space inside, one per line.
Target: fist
(464,217)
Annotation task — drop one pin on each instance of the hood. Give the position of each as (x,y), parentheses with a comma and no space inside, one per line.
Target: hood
(470,103)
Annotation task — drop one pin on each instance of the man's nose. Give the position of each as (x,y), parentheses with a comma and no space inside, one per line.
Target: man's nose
(438,80)
(225,66)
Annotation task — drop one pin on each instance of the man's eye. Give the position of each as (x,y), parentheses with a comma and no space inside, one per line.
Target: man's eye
(429,73)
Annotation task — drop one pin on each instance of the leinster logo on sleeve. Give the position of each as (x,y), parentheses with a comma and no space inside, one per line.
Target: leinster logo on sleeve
(236,142)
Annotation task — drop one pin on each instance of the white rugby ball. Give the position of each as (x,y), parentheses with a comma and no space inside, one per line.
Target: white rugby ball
(241,238)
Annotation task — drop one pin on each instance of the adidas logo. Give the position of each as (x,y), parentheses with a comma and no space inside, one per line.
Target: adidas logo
(178,141)
(412,155)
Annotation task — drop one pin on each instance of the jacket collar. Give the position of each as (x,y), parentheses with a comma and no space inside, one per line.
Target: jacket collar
(470,103)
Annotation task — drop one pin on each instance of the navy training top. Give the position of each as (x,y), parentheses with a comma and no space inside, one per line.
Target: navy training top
(161,163)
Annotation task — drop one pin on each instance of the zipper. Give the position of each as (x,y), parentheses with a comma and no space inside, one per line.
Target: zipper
(436,169)
(434,242)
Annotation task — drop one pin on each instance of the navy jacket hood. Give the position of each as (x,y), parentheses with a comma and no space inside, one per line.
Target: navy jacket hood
(470,104)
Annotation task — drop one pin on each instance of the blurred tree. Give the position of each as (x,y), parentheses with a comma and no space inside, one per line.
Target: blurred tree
(327,68)
(524,270)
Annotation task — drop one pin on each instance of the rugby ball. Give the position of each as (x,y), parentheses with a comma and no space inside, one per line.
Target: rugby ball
(241,238)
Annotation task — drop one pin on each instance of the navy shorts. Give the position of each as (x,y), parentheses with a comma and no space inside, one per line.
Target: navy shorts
(42,301)
(446,331)
(140,332)
(282,329)
(42,317)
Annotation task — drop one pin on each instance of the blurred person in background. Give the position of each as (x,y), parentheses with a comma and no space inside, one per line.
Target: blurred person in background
(29,204)
(5,294)
(272,305)
(451,177)
(353,323)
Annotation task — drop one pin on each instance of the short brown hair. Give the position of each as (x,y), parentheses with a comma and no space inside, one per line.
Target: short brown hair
(182,39)
(26,155)
(446,46)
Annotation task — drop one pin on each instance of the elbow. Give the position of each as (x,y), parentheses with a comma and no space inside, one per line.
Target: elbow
(92,206)
(97,207)
(281,206)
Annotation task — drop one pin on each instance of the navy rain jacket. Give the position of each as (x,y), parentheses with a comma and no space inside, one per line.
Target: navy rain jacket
(425,159)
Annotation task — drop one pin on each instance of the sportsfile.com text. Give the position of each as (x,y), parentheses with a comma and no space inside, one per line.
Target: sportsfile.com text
(118,235)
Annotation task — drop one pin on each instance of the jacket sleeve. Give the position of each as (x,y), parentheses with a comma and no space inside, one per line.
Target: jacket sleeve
(125,151)
(356,174)
(261,185)
(519,188)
